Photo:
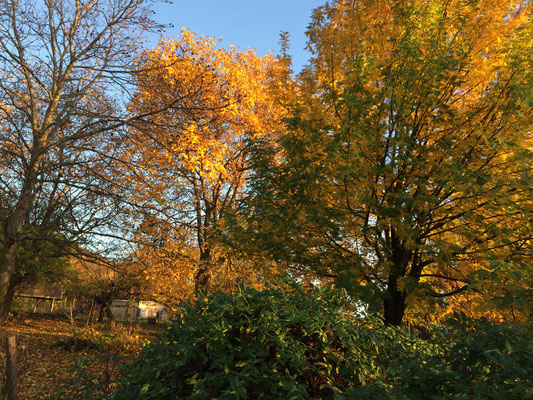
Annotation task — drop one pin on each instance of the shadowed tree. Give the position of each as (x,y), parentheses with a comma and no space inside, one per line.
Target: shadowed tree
(64,72)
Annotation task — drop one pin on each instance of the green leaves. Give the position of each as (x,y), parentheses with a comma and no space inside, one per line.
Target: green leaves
(405,154)
(145,389)
(271,344)
(306,345)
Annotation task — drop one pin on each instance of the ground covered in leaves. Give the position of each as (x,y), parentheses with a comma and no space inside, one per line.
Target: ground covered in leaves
(57,359)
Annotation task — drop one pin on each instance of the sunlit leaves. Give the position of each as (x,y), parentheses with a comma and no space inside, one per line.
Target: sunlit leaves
(188,163)
(403,169)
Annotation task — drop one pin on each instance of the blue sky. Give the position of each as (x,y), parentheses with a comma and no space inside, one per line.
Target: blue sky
(245,23)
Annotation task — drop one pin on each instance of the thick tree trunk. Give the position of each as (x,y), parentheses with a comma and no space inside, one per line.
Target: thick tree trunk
(394,304)
(202,278)
(105,311)
(13,237)
(108,313)
(10,296)
(8,258)
(102,313)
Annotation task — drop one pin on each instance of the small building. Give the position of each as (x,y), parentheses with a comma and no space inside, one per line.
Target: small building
(38,298)
(137,309)
(124,309)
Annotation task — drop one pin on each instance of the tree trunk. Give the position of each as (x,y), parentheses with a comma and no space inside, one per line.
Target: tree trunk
(11,367)
(394,304)
(105,311)
(108,313)
(7,297)
(90,312)
(8,258)
(101,314)
(202,278)
(13,236)
(72,304)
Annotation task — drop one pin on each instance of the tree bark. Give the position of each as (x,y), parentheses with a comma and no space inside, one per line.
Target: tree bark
(394,304)
(8,258)
(101,314)
(108,313)
(6,305)
(13,235)
(7,268)
(11,368)
(90,312)
(202,278)
(72,304)
(105,311)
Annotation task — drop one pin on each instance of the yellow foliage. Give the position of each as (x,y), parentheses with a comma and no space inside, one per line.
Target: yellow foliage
(188,162)
(415,119)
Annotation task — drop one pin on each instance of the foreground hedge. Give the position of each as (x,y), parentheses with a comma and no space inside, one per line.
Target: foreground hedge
(277,344)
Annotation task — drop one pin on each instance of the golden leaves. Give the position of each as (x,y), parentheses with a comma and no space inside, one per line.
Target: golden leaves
(189,159)
(219,98)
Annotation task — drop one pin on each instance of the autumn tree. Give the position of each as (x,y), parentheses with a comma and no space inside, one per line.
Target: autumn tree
(64,65)
(101,281)
(167,261)
(404,172)
(187,165)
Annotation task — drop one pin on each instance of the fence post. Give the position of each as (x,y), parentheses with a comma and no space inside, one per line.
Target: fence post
(72,305)
(90,311)
(11,367)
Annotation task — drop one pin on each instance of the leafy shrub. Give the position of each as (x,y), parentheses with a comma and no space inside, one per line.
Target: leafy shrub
(482,360)
(272,344)
(292,344)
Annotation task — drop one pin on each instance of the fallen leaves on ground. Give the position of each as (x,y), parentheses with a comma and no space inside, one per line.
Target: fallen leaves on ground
(44,354)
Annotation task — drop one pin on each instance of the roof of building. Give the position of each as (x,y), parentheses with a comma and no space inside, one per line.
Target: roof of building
(51,291)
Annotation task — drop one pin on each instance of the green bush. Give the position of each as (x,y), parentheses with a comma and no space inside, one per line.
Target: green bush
(272,344)
(481,360)
(291,344)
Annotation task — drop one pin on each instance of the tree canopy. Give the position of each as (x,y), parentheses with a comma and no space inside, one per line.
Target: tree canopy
(187,165)
(404,172)
(63,67)
(396,165)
